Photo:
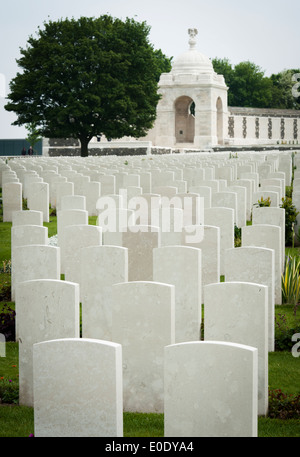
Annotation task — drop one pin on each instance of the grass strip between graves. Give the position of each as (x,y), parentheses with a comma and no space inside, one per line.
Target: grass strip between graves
(284,374)
(18,421)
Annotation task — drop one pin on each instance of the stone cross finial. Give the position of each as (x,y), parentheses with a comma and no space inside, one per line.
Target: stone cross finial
(192,33)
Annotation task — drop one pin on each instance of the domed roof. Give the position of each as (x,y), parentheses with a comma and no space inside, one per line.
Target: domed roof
(192,61)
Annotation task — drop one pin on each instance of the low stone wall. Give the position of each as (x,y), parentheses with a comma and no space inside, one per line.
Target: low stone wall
(62,142)
(54,147)
(61,151)
(72,152)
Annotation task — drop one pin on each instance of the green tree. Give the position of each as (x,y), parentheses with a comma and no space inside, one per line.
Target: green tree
(225,68)
(87,77)
(283,94)
(163,64)
(247,84)
(33,135)
(250,87)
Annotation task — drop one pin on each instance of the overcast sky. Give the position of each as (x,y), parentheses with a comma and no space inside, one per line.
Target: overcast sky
(265,32)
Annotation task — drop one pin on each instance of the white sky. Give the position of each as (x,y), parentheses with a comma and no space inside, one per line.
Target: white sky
(265,32)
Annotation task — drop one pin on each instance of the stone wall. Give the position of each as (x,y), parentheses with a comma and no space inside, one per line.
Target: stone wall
(263,126)
(245,127)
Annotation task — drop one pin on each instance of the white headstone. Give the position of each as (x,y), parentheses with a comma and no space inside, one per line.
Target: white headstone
(267,236)
(34,262)
(210,390)
(47,309)
(101,267)
(237,312)
(224,219)
(271,216)
(210,250)
(91,191)
(241,204)
(24,235)
(143,323)
(256,265)
(140,242)
(77,388)
(205,192)
(264,195)
(76,237)
(29,217)
(38,198)
(62,189)
(73,202)
(225,200)
(171,226)
(70,217)
(11,199)
(181,267)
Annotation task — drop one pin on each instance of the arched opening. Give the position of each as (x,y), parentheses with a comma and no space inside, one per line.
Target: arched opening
(184,120)
(220,121)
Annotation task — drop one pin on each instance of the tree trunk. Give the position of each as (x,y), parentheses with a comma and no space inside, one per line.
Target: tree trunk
(84,147)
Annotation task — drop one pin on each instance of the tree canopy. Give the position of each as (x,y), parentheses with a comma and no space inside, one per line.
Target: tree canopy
(249,87)
(88,77)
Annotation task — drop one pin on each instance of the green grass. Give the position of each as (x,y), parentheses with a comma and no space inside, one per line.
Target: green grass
(16,421)
(9,365)
(286,310)
(284,373)
(292,251)
(275,428)
(143,425)
(51,225)
(5,246)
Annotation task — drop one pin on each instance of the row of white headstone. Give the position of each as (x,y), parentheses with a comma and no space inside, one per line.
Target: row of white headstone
(208,174)
(141,293)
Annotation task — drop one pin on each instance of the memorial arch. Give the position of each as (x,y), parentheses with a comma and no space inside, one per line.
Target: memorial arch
(192,111)
(184,119)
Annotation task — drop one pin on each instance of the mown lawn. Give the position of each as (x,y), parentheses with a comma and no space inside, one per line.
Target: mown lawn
(18,421)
